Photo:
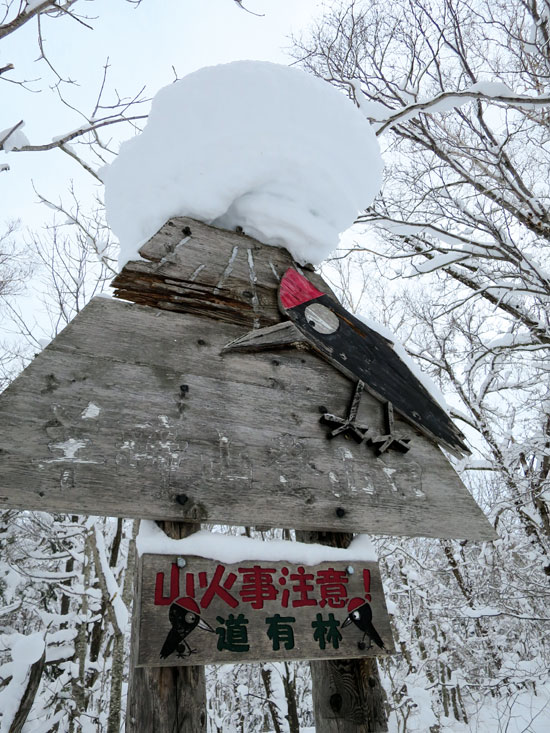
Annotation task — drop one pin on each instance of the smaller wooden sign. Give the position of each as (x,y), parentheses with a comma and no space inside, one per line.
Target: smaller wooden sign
(197,611)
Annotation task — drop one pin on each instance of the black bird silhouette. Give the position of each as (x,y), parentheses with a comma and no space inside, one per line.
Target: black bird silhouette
(360,613)
(363,355)
(184,615)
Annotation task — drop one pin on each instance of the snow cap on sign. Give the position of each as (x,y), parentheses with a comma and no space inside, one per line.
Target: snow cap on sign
(282,154)
(231,549)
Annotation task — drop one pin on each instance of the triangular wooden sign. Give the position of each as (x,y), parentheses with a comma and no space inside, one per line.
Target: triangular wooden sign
(134,411)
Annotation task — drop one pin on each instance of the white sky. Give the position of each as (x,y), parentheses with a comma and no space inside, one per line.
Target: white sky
(142,44)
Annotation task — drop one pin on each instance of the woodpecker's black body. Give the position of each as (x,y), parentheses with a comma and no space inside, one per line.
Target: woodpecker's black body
(361,616)
(365,355)
(184,615)
(361,353)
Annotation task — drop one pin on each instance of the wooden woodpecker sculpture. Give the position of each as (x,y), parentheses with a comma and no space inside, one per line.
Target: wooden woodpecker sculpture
(362,354)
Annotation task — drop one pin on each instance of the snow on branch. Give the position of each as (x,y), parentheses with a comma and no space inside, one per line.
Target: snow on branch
(31,10)
(12,137)
(242,7)
(10,608)
(466,247)
(108,582)
(62,140)
(525,341)
(25,669)
(486,611)
(446,101)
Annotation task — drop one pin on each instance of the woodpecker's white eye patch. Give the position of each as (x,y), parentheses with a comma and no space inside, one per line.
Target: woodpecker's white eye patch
(321,318)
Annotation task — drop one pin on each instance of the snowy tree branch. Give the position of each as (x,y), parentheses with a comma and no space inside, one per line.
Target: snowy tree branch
(446,100)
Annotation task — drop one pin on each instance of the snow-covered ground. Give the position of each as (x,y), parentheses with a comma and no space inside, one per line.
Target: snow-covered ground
(524,713)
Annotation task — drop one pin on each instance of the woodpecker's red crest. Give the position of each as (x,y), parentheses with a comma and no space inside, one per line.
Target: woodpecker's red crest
(189,604)
(295,289)
(355,603)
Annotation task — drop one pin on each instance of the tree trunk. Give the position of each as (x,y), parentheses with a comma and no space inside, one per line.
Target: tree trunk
(273,709)
(347,694)
(165,699)
(117,666)
(25,705)
(289,683)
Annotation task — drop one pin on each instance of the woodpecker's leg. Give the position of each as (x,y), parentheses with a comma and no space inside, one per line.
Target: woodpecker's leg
(361,644)
(190,651)
(186,651)
(382,443)
(348,425)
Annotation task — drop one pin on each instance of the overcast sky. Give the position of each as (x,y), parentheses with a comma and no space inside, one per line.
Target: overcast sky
(143,44)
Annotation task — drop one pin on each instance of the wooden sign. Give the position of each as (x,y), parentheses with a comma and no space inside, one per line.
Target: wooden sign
(196,611)
(151,412)
(137,412)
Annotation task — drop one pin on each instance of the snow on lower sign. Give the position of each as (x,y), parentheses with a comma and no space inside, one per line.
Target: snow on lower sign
(197,611)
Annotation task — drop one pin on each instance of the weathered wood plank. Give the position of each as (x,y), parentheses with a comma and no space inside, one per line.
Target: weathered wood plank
(164,699)
(136,412)
(270,338)
(192,267)
(347,693)
(198,611)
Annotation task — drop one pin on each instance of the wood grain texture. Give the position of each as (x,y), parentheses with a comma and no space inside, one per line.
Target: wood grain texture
(131,407)
(209,271)
(162,699)
(297,636)
(270,338)
(348,696)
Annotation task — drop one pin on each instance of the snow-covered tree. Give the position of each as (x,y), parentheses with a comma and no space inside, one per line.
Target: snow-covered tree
(65,582)
(458,92)
(84,144)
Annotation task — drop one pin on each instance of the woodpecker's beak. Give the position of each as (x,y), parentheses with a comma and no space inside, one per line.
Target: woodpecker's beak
(205,625)
(347,622)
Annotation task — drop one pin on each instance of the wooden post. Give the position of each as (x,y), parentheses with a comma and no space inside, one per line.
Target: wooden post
(347,694)
(173,699)
(162,699)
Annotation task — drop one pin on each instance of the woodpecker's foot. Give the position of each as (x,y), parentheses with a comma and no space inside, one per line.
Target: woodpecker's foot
(361,645)
(347,425)
(382,443)
(341,426)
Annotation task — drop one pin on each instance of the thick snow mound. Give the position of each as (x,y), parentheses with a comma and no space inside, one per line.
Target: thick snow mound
(266,147)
